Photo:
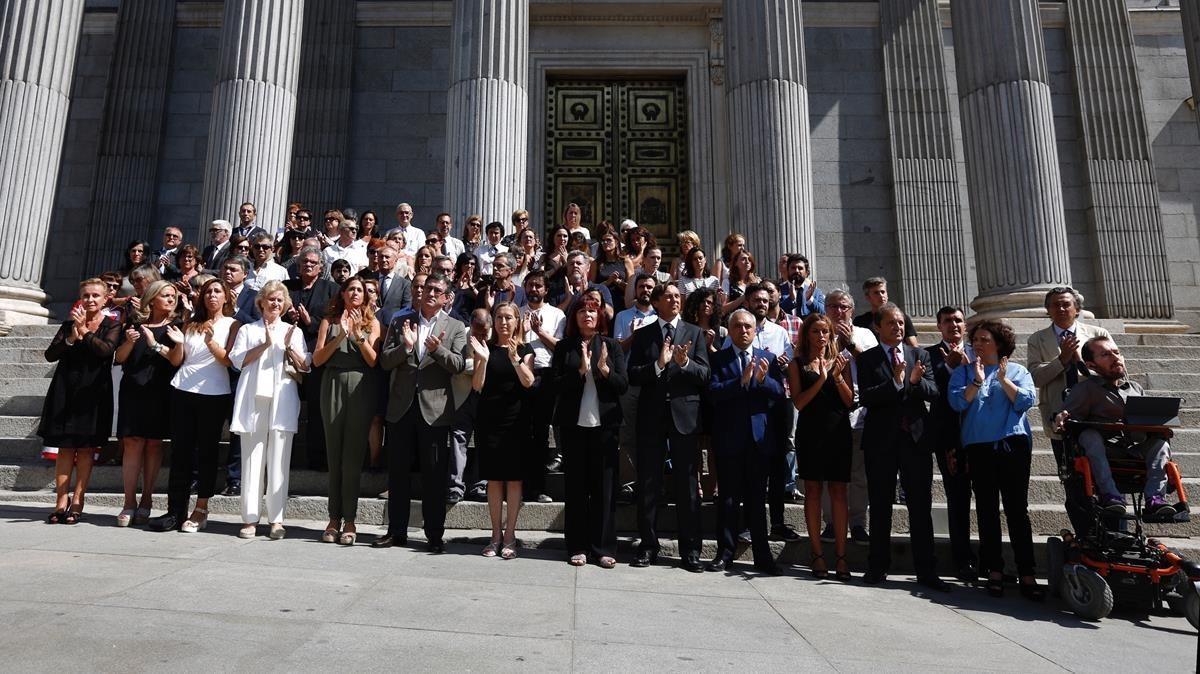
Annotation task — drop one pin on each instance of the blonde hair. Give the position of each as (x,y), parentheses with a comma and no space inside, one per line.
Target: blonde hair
(269,289)
(152,292)
(517,334)
(94,281)
(688,236)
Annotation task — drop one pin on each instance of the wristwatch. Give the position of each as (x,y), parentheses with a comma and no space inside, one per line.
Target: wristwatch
(978,383)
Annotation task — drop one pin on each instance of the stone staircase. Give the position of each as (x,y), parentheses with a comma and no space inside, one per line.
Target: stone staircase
(1166,364)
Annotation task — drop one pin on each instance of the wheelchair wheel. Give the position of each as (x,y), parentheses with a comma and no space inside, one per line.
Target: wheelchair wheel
(1191,608)
(1054,564)
(1087,593)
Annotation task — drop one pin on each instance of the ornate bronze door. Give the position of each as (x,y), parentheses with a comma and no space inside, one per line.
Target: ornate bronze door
(619,150)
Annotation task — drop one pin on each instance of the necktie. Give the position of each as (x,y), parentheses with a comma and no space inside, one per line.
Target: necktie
(668,332)
(896,358)
(384,284)
(742,360)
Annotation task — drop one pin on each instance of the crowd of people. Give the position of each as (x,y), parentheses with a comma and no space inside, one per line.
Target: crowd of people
(737,377)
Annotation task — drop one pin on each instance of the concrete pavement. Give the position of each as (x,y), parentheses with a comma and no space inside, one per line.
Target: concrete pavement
(99,598)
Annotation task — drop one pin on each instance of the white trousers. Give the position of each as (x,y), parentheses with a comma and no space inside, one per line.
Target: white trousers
(268,451)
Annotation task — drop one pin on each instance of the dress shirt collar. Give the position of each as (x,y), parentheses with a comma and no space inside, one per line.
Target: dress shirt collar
(1058,332)
(674,323)
(428,321)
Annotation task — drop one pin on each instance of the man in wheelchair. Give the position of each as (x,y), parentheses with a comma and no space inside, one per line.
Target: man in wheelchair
(1100,400)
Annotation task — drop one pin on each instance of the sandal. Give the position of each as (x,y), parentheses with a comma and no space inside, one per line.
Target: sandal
(191,525)
(843,576)
(248,531)
(607,562)
(348,538)
(995,586)
(126,516)
(72,518)
(56,517)
(577,560)
(329,536)
(509,551)
(819,574)
(490,549)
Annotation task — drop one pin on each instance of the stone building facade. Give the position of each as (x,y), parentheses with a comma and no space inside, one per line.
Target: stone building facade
(971,150)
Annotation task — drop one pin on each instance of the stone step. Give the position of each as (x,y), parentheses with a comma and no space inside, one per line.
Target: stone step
(1188,462)
(30,354)
(1046,520)
(1123,339)
(11,342)
(45,331)
(31,370)
(1179,381)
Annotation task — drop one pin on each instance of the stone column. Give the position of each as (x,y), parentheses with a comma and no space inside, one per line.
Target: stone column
(770,151)
(1012,164)
(323,110)
(254,112)
(487,109)
(1127,230)
(127,167)
(1189,12)
(924,170)
(37,63)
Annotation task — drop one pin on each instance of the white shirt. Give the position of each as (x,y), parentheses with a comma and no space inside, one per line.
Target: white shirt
(355,253)
(554,322)
(486,254)
(453,247)
(770,337)
(589,403)
(660,325)
(863,339)
(1058,332)
(891,352)
(271,271)
(200,372)
(414,238)
(639,318)
(687,285)
(424,328)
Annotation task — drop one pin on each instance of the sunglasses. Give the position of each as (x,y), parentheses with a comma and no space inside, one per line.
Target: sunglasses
(304,217)
(242,248)
(263,246)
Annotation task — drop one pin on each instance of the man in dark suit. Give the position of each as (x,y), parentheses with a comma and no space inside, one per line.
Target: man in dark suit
(423,355)
(395,292)
(246,227)
(669,360)
(216,252)
(895,381)
(311,294)
(745,382)
(945,357)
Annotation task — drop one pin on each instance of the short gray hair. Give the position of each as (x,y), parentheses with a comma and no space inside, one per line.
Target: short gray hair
(222,224)
(839,294)
(507,257)
(239,260)
(739,310)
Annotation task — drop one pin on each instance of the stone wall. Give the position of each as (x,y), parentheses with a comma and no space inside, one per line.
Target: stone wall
(72,201)
(1172,128)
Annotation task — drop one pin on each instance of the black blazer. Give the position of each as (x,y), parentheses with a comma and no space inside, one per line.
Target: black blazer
(946,431)
(245,310)
(886,406)
(683,385)
(323,291)
(567,384)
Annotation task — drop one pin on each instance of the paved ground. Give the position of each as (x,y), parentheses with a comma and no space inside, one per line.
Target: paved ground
(98,598)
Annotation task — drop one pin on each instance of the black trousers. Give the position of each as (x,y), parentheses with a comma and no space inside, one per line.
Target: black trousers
(916,476)
(541,405)
(1002,474)
(958,506)
(685,461)
(196,422)
(779,473)
(431,445)
(742,483)
(314,427)
(233,469)
(590,462)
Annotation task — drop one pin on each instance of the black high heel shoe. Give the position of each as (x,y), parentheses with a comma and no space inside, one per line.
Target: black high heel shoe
(995,587)
(843,576)
(819,574)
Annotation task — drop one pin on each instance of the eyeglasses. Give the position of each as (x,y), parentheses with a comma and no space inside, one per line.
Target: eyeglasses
(330,217)
(839,307)
(351,229)
(522,219)
(304,217)
(242,248)
(263,246)
(215,229)
(435,289)
(433,240)
(113,286)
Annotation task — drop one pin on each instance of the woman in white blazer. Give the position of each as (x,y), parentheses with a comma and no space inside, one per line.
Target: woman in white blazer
(266,406)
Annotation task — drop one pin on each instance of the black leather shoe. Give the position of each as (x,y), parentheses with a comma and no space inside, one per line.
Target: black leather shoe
(453,497)
(769,568)
(784,533)
(691,563)
(554,465)
(1032,591)
(232,489)
(967,573)
(934,583)
(544,498)
(437,547)
(167,522)
(645,558)
(387,541)
(745,537)
(719,564)
(874,577)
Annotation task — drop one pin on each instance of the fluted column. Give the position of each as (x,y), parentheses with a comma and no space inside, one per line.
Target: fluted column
(487,109)
(254,112)
(1189,12)
(1012,164)
(37,62)
(770,149)
(1127,230)
(925,176)
(127,170)
(323,109)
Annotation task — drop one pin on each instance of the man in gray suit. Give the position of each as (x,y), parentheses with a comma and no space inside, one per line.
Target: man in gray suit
(424,353)
(395,292)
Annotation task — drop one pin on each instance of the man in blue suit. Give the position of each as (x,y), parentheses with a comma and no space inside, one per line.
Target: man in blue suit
(745,382)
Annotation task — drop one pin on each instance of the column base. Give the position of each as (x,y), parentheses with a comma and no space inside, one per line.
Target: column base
(1018,305)
(22,306)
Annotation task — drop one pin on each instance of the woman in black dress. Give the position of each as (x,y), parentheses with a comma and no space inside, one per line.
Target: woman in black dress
(503,372)
(822,394)
(77,411)
(589,379)
(144,410)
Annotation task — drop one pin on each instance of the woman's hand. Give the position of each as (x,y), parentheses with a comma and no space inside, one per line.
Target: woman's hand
(585,358)
(1002,372)
(479,350)
(602,360)
(149,337)
(980,374)
(512,352)
(132,335)
(207,329)
(839,367)
(175,334)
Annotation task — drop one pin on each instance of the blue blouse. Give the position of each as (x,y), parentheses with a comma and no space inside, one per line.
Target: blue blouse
(991,416)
